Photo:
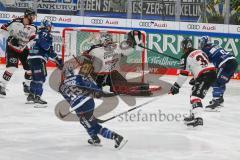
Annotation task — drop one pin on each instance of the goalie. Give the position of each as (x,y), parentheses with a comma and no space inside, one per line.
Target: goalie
(106,58)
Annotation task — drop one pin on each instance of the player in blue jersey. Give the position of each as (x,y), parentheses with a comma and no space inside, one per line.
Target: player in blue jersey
(226,65)
(78,90)
(40,52)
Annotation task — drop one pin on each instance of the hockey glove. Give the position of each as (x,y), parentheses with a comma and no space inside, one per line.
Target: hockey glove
(174,89)
(134,38)
(192,82)
(59,63)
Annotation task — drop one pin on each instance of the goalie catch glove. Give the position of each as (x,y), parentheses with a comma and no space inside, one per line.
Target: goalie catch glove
(134,38)
(174,89)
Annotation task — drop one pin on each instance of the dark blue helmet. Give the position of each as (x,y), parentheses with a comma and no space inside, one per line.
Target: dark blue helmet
(203,41)
(46,23)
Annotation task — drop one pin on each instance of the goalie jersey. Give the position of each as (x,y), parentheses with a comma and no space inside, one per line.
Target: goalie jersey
(107,58)
(76,90)
(195,63)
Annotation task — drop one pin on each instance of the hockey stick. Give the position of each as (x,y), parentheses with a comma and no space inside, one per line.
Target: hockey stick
(158,52)
(141,105)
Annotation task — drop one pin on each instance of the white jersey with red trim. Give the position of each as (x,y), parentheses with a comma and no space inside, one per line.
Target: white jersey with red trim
(196,63)
(23,33)
(107,58)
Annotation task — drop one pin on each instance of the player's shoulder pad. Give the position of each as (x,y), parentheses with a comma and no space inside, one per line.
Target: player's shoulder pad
(20,20)
(17,20)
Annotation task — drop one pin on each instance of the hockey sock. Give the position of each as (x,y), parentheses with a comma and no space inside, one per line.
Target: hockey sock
(106,133)
(36,87)
(7,75)
(28,77)
(196,106)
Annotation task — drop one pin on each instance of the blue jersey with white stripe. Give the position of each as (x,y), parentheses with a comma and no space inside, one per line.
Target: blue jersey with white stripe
(76,89)
(43,47)
(217,55)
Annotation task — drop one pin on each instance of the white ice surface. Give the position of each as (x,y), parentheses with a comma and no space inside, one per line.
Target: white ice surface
(27,133)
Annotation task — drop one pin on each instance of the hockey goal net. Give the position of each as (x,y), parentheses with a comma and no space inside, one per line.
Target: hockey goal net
(76,41)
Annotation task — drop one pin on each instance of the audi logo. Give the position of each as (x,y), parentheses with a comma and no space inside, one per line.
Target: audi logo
(193,26)
(146,24)
(96,21)
(51,18)
(238,29)
(4,15)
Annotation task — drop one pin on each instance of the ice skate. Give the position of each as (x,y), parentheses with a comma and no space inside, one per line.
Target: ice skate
(26,88)
(30,99)
(39,103)
(194,118)
(119,141)
(192,121)
(2,91)
(214,105)
(95,141)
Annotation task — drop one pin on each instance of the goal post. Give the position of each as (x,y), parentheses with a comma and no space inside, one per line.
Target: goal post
(77,40)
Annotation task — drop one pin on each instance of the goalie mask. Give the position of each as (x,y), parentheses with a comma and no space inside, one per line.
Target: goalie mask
(106,38)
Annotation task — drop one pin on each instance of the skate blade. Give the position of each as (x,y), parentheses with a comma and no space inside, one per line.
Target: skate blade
(212,110)
(29,102)
(2,96)
(194,126)
(124,142)
(96,145)
(40,106)
(189,125)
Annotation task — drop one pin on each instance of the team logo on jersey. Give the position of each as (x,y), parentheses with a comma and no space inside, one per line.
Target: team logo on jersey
(13,60)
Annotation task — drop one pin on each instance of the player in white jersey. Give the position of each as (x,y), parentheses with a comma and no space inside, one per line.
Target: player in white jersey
(21,34)
(107,56)
(195,62)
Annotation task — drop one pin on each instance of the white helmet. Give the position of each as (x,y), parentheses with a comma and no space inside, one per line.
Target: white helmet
(106,38)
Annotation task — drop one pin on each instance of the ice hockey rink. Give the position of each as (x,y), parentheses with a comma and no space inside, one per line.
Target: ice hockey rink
(36,133)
